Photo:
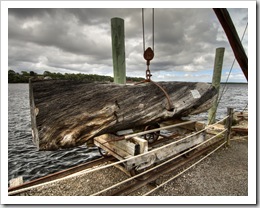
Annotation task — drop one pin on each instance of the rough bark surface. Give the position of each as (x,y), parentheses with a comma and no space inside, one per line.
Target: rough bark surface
(66,114)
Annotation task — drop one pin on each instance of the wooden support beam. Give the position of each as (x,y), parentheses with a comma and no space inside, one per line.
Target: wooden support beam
(121,148)
(233,38)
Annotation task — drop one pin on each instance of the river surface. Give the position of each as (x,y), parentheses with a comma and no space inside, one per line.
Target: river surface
(24,159)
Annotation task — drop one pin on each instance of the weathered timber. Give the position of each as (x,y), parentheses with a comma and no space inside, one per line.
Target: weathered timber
(66,114)
(216,82)
(118,49)
(240,129)
(228,125)
(158,154)
(119,148)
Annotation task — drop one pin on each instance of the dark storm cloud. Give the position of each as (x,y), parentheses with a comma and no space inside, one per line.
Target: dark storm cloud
(60,30)
(79,39)
(29,13)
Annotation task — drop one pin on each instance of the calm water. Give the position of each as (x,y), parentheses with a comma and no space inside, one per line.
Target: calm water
(23,157)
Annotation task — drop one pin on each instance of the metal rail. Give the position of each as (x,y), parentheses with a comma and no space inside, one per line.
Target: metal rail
(58,175)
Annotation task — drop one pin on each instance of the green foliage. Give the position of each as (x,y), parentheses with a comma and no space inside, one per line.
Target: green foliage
(14,77)
(32,73)
(25,73)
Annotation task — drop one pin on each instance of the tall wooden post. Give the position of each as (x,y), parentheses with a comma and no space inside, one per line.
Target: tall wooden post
(228,125)
(216,82)
(118,50)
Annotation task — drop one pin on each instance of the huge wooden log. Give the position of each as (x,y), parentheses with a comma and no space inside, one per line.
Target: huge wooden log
(66,114)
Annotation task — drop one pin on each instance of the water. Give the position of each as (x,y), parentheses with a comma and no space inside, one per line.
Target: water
(23,157)
(234,96)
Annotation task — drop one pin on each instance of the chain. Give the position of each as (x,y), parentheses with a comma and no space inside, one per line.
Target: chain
(148,56)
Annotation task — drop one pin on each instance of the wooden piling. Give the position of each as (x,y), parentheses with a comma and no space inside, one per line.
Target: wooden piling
(118,50)
(228,125)
(216,82)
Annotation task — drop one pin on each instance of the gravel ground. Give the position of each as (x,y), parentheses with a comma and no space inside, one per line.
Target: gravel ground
(224,173)
(82,185)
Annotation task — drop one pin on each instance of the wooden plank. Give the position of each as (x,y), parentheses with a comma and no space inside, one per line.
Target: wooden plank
(124,132)
(164,152)
(240,129)
(124,148)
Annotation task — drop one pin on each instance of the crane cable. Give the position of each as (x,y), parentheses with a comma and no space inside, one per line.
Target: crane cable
(148,56)
(144,29)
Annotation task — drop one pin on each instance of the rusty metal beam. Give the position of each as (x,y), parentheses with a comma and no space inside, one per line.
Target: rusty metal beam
(233,38)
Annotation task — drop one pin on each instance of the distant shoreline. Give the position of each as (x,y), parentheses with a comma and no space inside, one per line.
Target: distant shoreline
(222,83)
(24,76)
(234,83)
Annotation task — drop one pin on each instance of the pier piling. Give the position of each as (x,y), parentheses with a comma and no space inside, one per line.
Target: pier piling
(118,50)
(216,82)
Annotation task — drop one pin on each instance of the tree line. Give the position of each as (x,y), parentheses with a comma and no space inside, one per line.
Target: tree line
(24,76)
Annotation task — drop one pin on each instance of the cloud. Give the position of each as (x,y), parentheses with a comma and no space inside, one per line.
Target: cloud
(79,40)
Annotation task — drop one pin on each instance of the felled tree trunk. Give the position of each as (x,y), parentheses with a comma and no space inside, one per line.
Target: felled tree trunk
(66,114)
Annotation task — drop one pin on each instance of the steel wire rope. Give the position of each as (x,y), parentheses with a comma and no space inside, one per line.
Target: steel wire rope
(112,164)
(245,107)
(144,29)
(161,164)
(153,27)
(159,186)
(231,68)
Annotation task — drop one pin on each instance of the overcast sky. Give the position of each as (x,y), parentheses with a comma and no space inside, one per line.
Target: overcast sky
(79,41)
